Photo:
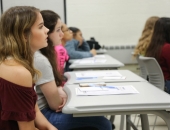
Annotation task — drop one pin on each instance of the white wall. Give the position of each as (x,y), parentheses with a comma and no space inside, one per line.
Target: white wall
(114,22)
(55,5)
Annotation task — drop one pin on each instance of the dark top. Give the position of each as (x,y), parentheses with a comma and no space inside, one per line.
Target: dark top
(165,61)
(17,103)
(78,52)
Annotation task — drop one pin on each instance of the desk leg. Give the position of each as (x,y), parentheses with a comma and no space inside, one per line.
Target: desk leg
(122,119)
(127,123)
(144,121)
(112,118)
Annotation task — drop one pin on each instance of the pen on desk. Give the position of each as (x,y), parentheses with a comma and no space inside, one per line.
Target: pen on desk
(93,46)
(111,87)
(82,78)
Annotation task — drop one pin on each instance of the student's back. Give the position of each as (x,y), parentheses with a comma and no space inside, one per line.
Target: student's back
(146,36)
(159,48)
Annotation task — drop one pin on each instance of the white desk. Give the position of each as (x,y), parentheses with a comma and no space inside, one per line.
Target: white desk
(94,57)
(110,63)
(130,77)
(150,100)
(101,51)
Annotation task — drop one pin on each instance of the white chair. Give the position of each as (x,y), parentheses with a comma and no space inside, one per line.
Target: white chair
(142,68)
(154,72)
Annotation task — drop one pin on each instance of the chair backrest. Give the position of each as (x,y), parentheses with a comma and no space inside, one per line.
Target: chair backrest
(143,71)
(154,71)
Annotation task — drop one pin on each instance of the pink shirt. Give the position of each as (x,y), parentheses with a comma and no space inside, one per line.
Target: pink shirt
(62,56)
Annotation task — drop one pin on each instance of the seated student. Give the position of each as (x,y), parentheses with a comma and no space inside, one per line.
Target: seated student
(145,38)
(51,97)
(159,48)
(62,56)
(78,48)
(22,33)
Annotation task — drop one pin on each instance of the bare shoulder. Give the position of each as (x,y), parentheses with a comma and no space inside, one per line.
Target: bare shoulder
(16,74)
(23,76)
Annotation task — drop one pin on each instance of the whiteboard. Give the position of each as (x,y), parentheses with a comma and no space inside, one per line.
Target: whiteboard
(55,5)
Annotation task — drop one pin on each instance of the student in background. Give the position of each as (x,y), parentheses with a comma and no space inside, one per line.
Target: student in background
(68,34)
(51,97)
(159,48)
(78,48)
(62,57)
(145,39)
(77,35)
(22,33)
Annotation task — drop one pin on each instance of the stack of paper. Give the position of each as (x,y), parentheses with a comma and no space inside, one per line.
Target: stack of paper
(106,90)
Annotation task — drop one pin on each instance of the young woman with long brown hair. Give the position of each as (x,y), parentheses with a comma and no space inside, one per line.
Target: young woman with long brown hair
(146,36)
(52,98)
(159,48)
(22,32)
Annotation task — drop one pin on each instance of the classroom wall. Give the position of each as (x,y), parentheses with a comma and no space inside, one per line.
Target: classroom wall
(55,5)
(114,22)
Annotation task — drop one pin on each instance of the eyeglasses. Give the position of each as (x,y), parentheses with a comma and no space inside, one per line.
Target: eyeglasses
(67,30)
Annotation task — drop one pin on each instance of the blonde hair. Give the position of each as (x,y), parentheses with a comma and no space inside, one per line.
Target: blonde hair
(145,39)
(15,26)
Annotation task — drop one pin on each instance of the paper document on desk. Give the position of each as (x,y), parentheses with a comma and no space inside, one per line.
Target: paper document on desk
(92,61)
(106,90)
(86,61)
(98,74)
(76,61)
(121,77)
(99,60)
(99,84)
(92,89)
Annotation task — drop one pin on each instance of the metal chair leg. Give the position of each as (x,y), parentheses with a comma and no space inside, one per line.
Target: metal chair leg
(154,123)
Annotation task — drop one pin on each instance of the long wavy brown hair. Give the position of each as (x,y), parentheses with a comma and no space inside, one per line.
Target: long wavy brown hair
(146,36)
(50,21)
(161,35)
(15,24)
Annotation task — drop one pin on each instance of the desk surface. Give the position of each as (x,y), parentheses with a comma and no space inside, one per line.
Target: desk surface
(149,98)
(129,77)
(104,56)
(110,63)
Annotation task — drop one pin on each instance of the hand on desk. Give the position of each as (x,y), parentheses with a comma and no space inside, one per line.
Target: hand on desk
(93,51)
(63,95)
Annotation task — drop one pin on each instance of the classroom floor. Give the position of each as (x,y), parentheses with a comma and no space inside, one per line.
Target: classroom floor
(160,124)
